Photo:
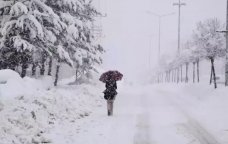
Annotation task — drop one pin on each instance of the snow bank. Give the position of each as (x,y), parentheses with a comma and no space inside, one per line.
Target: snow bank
(33,111)
(7,74)
(13,86)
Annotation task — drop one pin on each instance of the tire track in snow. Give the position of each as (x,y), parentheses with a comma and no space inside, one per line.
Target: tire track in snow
(196,133)
(192,129)
(142,135)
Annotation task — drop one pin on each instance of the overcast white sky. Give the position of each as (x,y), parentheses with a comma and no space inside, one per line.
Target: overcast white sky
(131,35)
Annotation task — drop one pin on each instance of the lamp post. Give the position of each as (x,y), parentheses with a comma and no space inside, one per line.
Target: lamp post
(179,4)
(159,29)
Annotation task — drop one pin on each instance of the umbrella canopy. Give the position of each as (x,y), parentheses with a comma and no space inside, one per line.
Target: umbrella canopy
(111,76)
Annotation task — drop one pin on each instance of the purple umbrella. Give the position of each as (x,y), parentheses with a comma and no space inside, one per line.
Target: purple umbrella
(111,76)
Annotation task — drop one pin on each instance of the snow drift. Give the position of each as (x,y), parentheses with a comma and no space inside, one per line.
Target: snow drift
(33,111)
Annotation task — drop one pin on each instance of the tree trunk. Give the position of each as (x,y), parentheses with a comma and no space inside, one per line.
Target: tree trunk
(162,78)
(23,72)
(181,74)
(169,76)
(24,63)
(57,73)
(194,64)
(178,72)
(33,69)
(159,78)
(174,75)
(3,65)
(165,77)
(213,72)
(211,76)
(186,78)
(42,69)
(198,77)
(50,66)
(76,75)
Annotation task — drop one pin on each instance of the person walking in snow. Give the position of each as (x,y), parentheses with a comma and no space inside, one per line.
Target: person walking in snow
(110,95)
(110,78)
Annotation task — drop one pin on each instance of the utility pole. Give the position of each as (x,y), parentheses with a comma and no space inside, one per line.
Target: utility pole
(226,67)
(226,62)
(159,29)
(179,4)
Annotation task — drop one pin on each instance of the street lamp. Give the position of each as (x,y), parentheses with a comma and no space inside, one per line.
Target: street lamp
(159,33)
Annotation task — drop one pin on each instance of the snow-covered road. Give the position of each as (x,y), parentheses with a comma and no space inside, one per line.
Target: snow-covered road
(147,115)
(171,122)
(143,114)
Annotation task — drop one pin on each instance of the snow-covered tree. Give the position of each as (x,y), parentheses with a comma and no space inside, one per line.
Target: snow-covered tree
(197,55)
(78,15)
(193,55)
(206,39)
(29,28)
(49,29)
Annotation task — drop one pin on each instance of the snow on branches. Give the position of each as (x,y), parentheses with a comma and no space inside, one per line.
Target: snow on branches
(18,9)
(21,45)
(53,29)
(205,43)
(207,39)
(64,56)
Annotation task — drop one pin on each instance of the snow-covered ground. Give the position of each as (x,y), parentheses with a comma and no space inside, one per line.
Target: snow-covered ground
(33,111)
(161,114)
(143,114)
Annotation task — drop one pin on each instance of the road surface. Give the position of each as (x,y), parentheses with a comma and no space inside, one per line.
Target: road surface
(144,115)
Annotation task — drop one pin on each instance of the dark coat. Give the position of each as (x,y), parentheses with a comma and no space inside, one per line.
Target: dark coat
(110,92)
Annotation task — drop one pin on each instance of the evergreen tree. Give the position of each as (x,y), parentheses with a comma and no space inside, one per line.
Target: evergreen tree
(54,30)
